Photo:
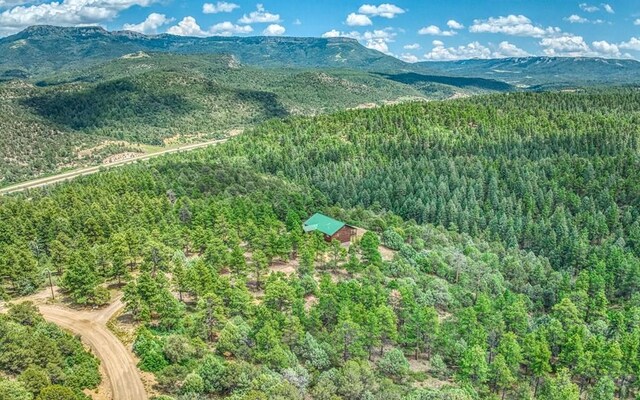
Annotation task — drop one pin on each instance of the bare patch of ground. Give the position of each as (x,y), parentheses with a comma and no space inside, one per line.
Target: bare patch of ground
(287,268)
(127,155)
(90,151)
(310,301)
(140,54)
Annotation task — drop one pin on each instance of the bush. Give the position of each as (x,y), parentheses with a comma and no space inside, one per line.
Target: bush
(13,390)
(193,383)
(34,379)
(439,367)
(149,349)
(57,392)
(213,371)
(392,239)
(394,365)
(177,349)
(101,296)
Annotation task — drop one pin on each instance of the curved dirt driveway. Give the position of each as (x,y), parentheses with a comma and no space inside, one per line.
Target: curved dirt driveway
(116,360)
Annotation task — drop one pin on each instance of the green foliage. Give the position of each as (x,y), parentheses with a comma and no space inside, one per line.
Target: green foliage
(56,392)
(560,387)
(394,365)
(36,354)
(193,383)
(34,379)
(12,390)
(392,239)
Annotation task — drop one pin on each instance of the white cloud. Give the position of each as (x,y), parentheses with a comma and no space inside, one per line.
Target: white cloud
(354,19)
(274,30)
(588,8)
(515,25)
(378,44)
(385,10)
(377,39)
(410,58)
(12,3)
(259,16)
(150,25)
(435,31)
(567,45)
(413,46)
(471,50)
(506,49)
(187,27)
(453,24)
(228,28)
(608,8)
(636,22)
(219,7)
(64,13)
(297,22)
(606,49)
(632,44)
(576,19)
(333,34)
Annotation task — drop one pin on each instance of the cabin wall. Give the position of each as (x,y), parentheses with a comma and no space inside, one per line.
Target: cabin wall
(344,235)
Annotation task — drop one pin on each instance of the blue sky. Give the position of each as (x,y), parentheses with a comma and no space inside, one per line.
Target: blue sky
(413,30)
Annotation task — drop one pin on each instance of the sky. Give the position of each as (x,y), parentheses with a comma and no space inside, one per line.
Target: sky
(412,30)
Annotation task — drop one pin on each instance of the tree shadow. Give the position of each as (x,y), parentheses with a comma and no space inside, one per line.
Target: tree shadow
(107,104)
(136,106)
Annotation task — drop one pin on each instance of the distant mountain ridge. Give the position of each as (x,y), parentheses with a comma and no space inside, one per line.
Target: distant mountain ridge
(42,50)
(545,72)
(36,50)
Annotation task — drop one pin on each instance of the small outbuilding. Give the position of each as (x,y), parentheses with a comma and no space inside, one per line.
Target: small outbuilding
(331,228)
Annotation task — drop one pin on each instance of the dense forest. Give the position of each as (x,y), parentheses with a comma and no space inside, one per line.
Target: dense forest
(510,226)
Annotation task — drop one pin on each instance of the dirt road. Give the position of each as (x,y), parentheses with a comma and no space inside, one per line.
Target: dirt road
(92,170)
(91,325)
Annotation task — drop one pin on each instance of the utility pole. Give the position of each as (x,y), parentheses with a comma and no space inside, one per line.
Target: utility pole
(48,271)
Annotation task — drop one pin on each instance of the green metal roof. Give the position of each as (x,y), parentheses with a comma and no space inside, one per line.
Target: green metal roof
(322,223)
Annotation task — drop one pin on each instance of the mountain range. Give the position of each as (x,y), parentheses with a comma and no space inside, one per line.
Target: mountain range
(35,52)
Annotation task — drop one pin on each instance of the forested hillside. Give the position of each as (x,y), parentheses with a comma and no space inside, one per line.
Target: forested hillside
(552,173)
(114,95)
(510,270)
(83,116)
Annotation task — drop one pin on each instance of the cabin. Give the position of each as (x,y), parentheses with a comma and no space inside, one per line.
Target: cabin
(330,228)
